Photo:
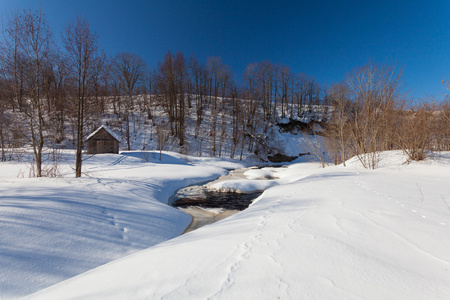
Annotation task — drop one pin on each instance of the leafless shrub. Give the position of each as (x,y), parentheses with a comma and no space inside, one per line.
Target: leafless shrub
(317,149)
(375,94)
(338,129)
(442,126)
(162,136)
(415,133)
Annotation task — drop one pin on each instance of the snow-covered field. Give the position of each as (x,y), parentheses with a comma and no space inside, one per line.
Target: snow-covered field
(332,233)
(55,228)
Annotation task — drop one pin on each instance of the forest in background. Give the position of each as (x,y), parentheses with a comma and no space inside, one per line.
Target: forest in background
(52,97)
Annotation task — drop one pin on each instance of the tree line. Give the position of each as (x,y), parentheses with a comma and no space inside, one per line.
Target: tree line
(59,91)
(371,114)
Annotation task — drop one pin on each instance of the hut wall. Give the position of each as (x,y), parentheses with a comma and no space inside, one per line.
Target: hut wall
(102,142)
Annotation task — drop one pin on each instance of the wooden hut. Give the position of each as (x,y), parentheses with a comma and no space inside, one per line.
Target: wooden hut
(103,140)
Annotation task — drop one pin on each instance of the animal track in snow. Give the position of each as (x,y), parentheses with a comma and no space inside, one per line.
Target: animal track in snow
(245,250)
(355,179)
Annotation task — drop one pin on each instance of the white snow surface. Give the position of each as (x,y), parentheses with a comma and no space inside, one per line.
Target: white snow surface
(263,173)
(244,186)
(109,130)
(332,233)
(55,228)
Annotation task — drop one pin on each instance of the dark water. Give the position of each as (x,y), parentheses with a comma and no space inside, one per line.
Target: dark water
(226,200)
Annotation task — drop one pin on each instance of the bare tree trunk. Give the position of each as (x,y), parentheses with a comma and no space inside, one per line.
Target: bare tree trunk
(85,65)
(2,135)
(80,145)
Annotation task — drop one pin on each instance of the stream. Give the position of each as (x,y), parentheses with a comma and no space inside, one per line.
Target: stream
(207,206)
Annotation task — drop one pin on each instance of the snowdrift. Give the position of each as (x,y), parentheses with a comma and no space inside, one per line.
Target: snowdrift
(56,228)
(332,233)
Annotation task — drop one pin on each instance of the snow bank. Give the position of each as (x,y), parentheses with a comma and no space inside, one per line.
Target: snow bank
(243,186)
(56,228)
(264,173)
(333,233)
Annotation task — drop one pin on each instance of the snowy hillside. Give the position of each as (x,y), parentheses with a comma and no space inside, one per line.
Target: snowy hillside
(332,233)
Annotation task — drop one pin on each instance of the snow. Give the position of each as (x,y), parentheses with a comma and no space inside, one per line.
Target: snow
(262,173)
(294,145)
(284,120)
(109,130)
(317,233)
(243,186)
(56,228)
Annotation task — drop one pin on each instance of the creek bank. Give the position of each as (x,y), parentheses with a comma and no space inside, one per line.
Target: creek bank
(201,216)
(218,199)
(282,158)
(206,203)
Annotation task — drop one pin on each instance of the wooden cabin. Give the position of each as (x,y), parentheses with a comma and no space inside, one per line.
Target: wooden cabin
(103,140)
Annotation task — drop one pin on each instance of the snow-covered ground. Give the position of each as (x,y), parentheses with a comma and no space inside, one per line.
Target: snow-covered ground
(332,233)
(55,228)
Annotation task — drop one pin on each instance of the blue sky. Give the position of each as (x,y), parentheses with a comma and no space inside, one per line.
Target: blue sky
(324,39)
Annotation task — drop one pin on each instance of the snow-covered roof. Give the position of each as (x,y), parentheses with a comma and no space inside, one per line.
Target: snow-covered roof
(109,130)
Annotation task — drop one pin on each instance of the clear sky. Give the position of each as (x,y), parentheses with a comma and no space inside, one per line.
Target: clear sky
(324,39)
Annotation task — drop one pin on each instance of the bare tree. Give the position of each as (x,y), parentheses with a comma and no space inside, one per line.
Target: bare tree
(162,136)
(129,70)
(27,48)
(54,91)
(285,79)
(338,127)
(199,74)
(375,91)
(300,93)
(4,120)
(225,86)
(148,88)
(214,67)
(266,77)
(84,63)
(181,78)
(251,104)
(170,80)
